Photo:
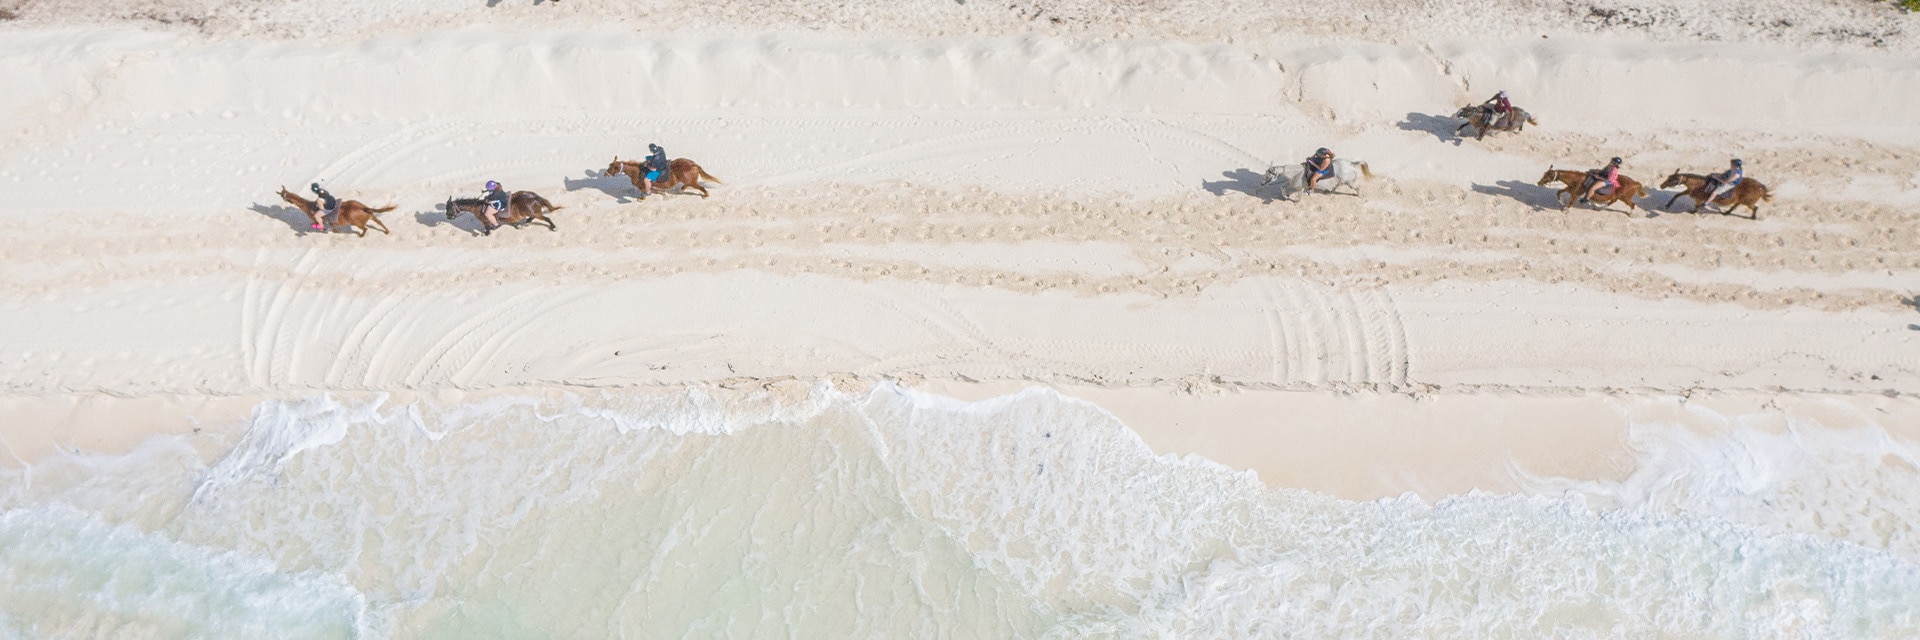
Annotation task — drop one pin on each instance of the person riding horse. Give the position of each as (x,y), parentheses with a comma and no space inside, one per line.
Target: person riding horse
(496,204)
(1607,176)
(1728,179)
(657,166)
(1318,166)
(329,205)
(1497,109)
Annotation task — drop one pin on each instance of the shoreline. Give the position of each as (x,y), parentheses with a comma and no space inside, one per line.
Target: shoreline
(1353,445)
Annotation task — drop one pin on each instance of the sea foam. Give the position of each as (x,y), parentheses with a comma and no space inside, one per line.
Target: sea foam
(900,514)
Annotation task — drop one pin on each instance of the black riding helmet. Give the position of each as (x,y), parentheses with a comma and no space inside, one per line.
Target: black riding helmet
(1736,162)
(653,146)
(316,186)
(1615,161)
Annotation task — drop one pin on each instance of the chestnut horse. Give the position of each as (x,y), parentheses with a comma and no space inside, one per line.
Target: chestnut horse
(681,171)
(1574,183)
(1749,192)
(351,213)
(1479,118)
(522,206)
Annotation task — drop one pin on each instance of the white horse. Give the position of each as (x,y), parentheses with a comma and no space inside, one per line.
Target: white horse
(1345,172)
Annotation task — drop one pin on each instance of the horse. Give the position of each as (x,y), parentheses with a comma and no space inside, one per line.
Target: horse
(351,213)
(681,172)
(522,206)
(1749,192)
(1477,117)
(1575,182)
(1345,172)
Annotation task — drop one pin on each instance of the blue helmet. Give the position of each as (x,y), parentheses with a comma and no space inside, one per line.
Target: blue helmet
(491,185)
(1736,162)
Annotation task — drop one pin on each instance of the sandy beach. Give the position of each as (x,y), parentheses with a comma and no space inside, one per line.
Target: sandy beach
(951,203)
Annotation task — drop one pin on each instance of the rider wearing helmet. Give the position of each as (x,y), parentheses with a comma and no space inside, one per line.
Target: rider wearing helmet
(1728,179)
(329,206)
(1607,176)
(1318,166)
(496,203)
(1497,109)
(656,166)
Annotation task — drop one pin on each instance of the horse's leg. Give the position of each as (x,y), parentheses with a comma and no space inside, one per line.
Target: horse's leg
(383,225)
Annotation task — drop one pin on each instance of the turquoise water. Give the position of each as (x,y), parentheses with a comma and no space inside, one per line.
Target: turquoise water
(899,514)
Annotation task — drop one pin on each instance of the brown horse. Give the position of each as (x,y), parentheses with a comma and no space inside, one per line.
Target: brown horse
(351,213)
(681,172)
(1574,183)
(1749,192)
(522,207)
(1481,120)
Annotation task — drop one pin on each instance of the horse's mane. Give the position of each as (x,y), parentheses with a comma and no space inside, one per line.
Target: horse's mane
(468,202)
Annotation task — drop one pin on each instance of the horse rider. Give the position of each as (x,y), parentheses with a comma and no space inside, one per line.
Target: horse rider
(1607,176)
(329,205)
(656,166)
(1498,109)
(496,203)
(1318,166)
(1726,179)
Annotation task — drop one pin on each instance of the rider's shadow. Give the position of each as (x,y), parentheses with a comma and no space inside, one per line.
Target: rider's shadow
(1245,181)
(295,220)
(1443,128)
(619,187)
(1530,194)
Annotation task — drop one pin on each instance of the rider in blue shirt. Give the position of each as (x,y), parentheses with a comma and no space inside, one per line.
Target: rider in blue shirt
(1729,179)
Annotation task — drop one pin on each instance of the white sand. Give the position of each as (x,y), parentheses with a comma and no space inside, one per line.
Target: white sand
(1002,199)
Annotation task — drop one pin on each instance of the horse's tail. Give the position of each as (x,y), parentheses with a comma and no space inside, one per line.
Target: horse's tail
(705,175)
(1365,170)
(382,209)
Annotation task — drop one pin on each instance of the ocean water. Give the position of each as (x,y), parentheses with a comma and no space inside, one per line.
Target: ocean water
(895,514)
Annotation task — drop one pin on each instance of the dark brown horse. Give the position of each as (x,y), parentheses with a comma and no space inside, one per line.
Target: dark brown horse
(1481,120)
(522,206)
(1574,183)
(681,172)
(352,213)
(1749,192)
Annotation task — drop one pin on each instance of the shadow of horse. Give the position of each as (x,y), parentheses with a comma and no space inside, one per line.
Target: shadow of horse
(617,186)
(1535,196)
(295,220)
(1245,181)
(1442,127)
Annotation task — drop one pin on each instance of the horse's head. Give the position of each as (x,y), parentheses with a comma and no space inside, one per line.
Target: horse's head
(452,212)
(1549,177)
(1466,112)
(1273,174)
(1672,180)
(614,168)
